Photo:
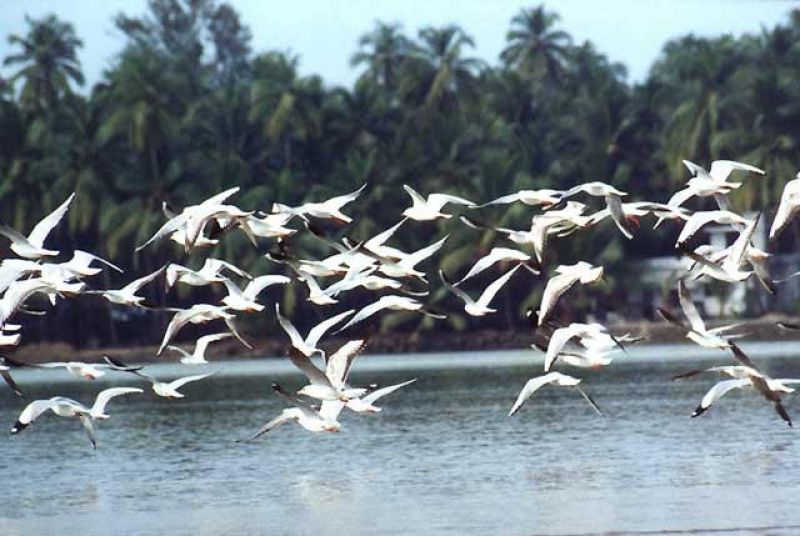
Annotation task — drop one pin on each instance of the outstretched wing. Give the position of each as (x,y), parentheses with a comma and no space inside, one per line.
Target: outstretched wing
(180,382)
(533,385)
(106,395)
(43,228)
(320,329)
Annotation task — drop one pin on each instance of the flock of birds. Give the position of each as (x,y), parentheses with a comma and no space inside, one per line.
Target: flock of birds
(374,266)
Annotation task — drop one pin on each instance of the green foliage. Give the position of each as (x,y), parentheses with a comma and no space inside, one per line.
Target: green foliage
(186,110)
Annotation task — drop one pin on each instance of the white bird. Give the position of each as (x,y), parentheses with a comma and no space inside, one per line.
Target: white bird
(79,266)
(405,265)
(392,303)
(89,371)
(720,170)
(127,294)
(730,270)
(595,338)
(697,331)
(271,225)
(714,182)
(555,378)
(245,300)
(698,220)
(479,307)
(167,390)
(5,373)
(211,272)
(330,209)
(194,218)
(32,246)
(613,199)
(366,403)
(790,204)
(534,198)
(12,270)
(494,256)
(431,208)
(325,385)
(312,419)
(198,356)
(568,275)
(308,346)
(19,291)
(744,376)
(199,313)
(66,407)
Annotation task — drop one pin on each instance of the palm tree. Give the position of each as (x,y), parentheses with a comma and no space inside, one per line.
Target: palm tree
(438,72)
(49,62)
(383,51)
(534,47)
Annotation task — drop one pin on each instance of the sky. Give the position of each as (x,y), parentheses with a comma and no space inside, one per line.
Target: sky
(324,33)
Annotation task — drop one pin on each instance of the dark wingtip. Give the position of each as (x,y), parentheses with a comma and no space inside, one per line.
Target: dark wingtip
(18,427)
(699,410)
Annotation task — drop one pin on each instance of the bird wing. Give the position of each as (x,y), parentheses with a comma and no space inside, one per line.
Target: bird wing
(680,197)
(106,395)
(718,391)
(254,287)
(178,349)
(288,327)
(741,357)
(83,259)
(380,238)
(455,290)
(555,287)
(33,410)
(341,200)
(289,414)
(216,266)
(180,382)
(693,168)
(618,215)
(180,319)
(590,400)
(320,329)
(220,197)
(383,391)
(494,256)
(440,200)
(787,208)
(504,200)
(739,248)
(720,169)
(338,367)
(415,197)
(558,340)
(205,340)
(689,309)
(489,292)
(301,361)
(169,227)
(134,286)
(533,385)
(696,222)
(86,421)
(329,409)
(385,302)
(43,228)
(6,375)
(412,259)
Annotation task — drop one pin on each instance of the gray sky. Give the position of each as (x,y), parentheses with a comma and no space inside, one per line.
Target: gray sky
(324,33)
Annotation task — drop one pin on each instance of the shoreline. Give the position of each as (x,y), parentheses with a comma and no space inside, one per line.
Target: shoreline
(389,343)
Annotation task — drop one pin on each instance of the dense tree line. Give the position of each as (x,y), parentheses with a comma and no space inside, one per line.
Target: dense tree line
(188,109)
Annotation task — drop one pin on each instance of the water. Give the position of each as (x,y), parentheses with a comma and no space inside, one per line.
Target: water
(442,458)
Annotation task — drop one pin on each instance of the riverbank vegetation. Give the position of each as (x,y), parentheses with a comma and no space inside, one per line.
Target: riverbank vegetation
(188,109)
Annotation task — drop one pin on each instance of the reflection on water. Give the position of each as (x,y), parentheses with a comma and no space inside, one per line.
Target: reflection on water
(442,458)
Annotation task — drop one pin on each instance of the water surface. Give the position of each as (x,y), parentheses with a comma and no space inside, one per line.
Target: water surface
(442,458)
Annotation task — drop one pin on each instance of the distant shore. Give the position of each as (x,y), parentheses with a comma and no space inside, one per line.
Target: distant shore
(391,343)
